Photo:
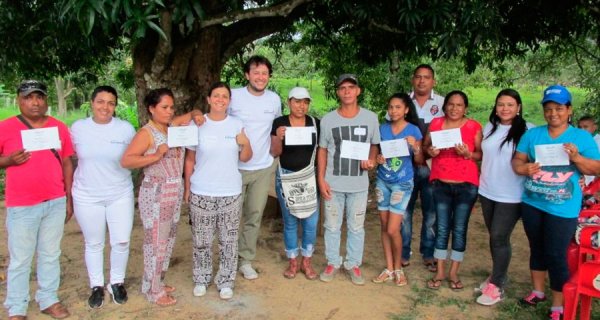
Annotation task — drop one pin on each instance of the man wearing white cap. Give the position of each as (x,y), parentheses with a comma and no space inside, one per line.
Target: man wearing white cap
(38,200)
(299,205)
(347,149)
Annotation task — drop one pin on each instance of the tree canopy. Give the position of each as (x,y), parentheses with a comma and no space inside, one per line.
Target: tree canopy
(184,44)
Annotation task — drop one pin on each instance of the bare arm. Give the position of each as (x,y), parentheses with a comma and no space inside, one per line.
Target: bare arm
(188,170)
(245,147)
(134,157)
(14,159)
(184,119)
(522,166)
(321,167)
(584,165)
(67,167)
(277,142)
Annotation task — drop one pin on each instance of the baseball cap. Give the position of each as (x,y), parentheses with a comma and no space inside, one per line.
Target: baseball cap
(28,86)
(558,94)
(346,77)
(299,93)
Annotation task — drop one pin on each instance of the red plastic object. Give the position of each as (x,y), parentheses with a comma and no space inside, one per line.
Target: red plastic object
(585,282)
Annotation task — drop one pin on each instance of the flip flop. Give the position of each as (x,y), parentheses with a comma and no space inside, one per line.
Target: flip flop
(405,264)
(455,285)
(434,284)
(167,300)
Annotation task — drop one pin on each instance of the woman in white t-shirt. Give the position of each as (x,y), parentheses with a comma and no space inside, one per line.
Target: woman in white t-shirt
(500,188)
(103,193)
(213,188)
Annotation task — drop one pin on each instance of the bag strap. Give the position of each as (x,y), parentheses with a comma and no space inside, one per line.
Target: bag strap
(28,125)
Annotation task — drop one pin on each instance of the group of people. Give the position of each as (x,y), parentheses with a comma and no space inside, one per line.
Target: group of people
(226,176)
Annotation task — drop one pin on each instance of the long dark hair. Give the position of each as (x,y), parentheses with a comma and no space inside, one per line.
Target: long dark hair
(411,116)
(518,125)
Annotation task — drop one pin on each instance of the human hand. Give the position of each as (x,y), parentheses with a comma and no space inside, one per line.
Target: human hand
(380,159)
(433,151)
(571,150)
(161,150)
(280,132)
(241,139)
(367,164)
(532,168)
(462,150)
(19,157)
(325,189)
(198,117)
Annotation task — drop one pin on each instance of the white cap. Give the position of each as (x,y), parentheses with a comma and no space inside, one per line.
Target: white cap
(299,93)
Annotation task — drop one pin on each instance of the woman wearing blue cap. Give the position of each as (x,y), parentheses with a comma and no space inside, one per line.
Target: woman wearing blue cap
(553,157)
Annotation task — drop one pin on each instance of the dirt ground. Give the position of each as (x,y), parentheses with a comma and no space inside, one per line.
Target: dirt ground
(274,297)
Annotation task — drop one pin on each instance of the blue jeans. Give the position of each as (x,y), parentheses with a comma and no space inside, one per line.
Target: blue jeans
(30,229)
(393,197)
(290,226)
(355,206)
(453,203)
(549,237)
(422,186)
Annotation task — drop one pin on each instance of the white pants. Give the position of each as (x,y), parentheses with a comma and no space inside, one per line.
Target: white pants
(93,219)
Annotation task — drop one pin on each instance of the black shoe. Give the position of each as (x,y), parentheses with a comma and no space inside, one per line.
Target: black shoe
(96,299)
(118,292)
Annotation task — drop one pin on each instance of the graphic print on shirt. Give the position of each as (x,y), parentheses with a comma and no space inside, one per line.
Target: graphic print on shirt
(345,166)
(393,165)
(551,184)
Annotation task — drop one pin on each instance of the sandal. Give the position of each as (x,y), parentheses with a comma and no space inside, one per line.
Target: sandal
(400,278)
(434,284)
(385,276)
(405,264)
(455,285)
(430,265)
(166,301)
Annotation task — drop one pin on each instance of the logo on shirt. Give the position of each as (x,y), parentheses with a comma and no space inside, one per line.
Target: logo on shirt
(434,110)
(551,184)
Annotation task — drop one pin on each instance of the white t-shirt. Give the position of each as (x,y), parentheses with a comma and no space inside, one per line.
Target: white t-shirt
(589,179)
(498,181)
(99,148)
(216,172)
(257,113)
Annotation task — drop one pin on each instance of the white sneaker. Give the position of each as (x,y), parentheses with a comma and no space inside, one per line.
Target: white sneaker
(482,285)
(199,290)
(226,293)
(248,272)
(490,295)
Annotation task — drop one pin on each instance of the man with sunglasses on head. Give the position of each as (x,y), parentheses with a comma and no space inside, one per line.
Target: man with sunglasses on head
(38,200)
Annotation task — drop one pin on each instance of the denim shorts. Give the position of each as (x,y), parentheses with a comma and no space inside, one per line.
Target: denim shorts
(393,197)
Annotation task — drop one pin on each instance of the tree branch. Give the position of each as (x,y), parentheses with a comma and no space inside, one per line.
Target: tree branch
(280,10)
(386,27)
(164,46)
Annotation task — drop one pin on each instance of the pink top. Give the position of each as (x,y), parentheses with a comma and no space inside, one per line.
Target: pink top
(41,177)
(450,166)
(171,165)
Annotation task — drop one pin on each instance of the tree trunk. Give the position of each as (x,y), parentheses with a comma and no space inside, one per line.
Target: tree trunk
(63,89)
(188,67)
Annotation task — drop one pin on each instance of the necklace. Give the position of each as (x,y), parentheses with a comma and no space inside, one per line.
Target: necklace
(158,127)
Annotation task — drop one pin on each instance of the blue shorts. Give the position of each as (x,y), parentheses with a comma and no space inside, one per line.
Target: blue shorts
(393,197)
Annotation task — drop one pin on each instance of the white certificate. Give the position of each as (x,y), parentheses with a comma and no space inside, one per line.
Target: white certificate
(182,136)
(40,139)
(298,136)
(551,155)
(446,138)
(355,150)
(394,148)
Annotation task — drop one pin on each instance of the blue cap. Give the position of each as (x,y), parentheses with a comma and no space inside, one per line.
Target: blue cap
(558,94)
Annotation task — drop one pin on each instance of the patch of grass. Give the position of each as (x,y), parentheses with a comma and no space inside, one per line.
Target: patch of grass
(319,105)
(461,304)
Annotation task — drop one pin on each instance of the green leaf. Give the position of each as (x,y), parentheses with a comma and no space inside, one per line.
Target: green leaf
(156,28)
(91,19)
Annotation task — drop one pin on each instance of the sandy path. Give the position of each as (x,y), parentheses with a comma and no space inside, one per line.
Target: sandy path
(274,297)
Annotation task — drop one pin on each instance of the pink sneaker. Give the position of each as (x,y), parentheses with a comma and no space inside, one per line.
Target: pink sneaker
(490,295)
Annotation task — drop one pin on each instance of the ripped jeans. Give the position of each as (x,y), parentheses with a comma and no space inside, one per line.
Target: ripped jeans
(354,204)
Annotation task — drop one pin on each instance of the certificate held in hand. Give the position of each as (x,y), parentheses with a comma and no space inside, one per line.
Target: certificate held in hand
(355,150)
(40,139)
(394,148)
(551,155)
(444,139)
(182,136)
(298,136)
